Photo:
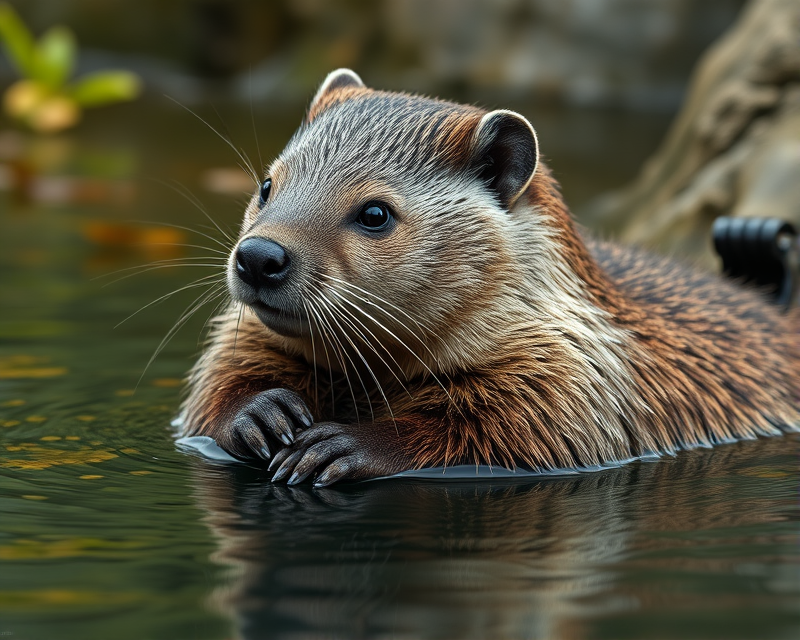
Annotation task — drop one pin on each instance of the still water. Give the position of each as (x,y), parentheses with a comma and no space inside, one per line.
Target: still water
(107,531)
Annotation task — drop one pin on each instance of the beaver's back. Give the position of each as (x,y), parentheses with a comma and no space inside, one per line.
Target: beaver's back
(706,302)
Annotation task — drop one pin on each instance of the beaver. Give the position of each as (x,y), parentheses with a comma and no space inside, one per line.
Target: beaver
(410,290)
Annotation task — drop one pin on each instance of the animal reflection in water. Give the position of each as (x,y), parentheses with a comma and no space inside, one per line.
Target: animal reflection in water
(532,559)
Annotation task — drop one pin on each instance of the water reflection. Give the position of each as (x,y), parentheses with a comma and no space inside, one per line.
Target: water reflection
(461,560)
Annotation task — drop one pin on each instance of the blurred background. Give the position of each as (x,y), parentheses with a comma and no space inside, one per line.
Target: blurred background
(600,79)
(634,54)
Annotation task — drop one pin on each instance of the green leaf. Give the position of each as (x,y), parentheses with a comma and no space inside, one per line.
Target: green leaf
(54,57)
(105,87)
(17,40)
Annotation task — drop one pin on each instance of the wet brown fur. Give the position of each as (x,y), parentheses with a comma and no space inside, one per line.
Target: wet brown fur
(705,360)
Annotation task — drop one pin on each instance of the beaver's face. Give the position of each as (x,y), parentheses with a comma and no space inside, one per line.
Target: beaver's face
(374,226)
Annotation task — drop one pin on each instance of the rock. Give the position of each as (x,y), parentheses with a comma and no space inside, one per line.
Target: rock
(734,148)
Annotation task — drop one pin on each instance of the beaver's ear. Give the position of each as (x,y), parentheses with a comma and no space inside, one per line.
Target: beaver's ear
(330,91)
(505,152)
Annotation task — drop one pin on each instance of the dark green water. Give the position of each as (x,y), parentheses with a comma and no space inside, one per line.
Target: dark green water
(106,531)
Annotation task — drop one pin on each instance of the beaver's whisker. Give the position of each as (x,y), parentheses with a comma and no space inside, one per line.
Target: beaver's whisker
(313,347)
(249,170)
(354,318)
(184,191)
(158,267)
(348,323)
(183,244)
(420,325)
(166,262)
(394,318)
(242,153)
(328,339)
(365,340)
(409,349)
(200,282)
(380,325)
(327,316)
(227,248)
(223,301)
(407,330)
(253,118)
(334,317)
(238,322)
(339,352)
(197,304)
(327,358)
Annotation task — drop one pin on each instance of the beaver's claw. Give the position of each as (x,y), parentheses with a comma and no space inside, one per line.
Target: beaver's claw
(274,415)
(335,452)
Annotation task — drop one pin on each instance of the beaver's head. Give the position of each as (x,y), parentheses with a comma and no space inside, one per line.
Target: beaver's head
(384,222)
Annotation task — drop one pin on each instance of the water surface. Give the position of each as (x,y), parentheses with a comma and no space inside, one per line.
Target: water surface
(107,531)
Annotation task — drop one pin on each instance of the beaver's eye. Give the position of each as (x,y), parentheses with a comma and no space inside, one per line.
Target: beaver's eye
(263,193)
(374,216)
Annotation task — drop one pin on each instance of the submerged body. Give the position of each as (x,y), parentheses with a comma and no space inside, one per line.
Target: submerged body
(409,290)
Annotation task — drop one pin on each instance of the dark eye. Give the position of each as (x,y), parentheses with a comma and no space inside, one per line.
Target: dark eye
(263,193)
(374,216)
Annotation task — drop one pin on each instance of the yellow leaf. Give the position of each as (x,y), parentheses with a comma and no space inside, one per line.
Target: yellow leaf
(40,372)
(167,382)
(40,457)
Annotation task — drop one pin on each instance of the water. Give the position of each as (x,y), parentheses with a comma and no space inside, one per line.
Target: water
(106,530)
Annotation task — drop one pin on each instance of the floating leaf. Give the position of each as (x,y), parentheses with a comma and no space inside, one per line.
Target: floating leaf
(106,87)
(17,40)
(38,372)
(168,383)
(34,549)
(45,599)
(54,58)
(113,234)
(41,457)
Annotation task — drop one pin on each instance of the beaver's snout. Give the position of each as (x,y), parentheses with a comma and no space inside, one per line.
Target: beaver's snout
(262,263)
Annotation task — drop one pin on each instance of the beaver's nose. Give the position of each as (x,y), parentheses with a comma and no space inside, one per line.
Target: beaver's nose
(261,263)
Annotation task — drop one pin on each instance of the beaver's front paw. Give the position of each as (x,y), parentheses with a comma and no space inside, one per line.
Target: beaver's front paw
(336,452)
(266,422)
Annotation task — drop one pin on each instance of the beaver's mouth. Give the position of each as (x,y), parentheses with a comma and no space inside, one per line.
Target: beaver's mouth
(286,323)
